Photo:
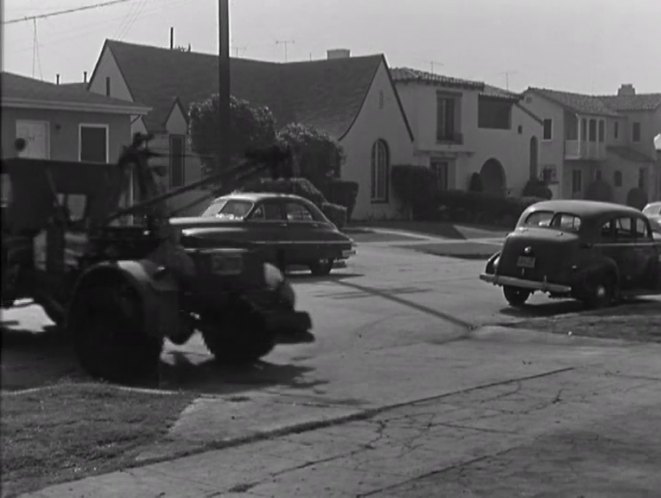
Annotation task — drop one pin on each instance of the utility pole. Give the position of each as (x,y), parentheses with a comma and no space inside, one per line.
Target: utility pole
(223,83)
(285,43)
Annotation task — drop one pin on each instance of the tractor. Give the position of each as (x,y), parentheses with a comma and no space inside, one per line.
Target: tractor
(117,278)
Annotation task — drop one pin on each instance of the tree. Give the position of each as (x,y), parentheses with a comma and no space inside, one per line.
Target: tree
(250,128)
(316,156)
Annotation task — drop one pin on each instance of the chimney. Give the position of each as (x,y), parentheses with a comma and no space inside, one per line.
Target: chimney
(626,89)
(57,79)
(338,53)
(84,76)
(171,37)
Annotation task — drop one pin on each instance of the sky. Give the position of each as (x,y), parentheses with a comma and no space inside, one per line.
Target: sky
(584,46)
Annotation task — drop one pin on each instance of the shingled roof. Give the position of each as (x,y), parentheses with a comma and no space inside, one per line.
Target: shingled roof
(584,104)
(21,91)
(326,94)
(637,102)
(407,75)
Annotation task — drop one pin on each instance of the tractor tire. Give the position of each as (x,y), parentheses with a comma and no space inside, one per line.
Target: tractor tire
(322,267)
(516,296)
(107,325)
(240,337)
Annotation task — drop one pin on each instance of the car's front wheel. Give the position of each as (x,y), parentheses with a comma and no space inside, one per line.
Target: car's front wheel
(516,296)
(321,267)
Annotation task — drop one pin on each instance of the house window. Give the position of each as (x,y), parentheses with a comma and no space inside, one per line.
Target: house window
(617,178)
(381,99)
(601,130)
(616,130)
(548,129)
(493,113)
(446,115)
(636,132)
(549,174)
(576,181)
(380,171)
(177,160)
(642,178)
(593,130)
(584,130)
(93,143)
(440,170)
(520,129)
(108,86)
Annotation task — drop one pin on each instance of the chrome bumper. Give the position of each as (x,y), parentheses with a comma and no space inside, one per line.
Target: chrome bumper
(525,284)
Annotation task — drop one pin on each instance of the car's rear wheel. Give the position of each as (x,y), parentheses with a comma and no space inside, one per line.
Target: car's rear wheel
(321,267)
(600,290)
(516,296)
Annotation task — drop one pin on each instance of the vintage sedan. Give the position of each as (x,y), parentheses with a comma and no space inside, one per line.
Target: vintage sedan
(290,229)
(592,251)
(653,213)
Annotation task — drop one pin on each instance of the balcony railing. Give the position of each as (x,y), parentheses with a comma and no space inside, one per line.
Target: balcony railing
(575,149)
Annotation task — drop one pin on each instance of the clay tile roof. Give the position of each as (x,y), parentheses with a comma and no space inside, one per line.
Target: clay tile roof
(639,102)
(326,94)
(30,92)
(494,91)
(406,74)
(629,154)
(584,104)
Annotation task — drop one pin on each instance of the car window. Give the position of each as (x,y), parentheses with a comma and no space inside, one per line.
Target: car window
(539,219)
(607,230)
(642,229)
(267,211)
(232,209)
(298,212)
(5,181)
(214,208)
(624,229)
(566,222)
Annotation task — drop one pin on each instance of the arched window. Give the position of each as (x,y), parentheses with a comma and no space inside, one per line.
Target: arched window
(380,170)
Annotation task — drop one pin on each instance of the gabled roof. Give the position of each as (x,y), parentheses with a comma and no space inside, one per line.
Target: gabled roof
(629,154)
(21,91)
(583,104)
(638,102)
(409,75)
(325,94)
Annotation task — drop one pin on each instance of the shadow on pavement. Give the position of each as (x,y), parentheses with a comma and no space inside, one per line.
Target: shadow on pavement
(303,276)
(566,306)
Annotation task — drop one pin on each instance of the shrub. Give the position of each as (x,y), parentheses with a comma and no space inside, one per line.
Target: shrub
(341,192)
(599,190)
(637,198)
(298,186)
(483,207)
(415,186)
(475,184)
(537,188)
(336,213)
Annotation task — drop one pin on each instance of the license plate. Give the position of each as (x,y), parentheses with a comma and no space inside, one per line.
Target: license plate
(226,264)
(526,262)
(348,252)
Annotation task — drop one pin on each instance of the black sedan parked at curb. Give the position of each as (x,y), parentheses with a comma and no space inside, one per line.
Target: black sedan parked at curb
(289,229)
(595,252)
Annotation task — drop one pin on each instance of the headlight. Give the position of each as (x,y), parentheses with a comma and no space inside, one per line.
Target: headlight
(273,276)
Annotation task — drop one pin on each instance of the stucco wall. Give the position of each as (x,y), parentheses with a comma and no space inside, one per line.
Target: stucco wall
(374,123)
(107,67)
(64,133)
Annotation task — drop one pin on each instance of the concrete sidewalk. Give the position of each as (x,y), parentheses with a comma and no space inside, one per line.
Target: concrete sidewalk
(465,401)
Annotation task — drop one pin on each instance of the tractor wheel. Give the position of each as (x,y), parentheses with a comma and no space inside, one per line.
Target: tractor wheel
(107,325)
(516,296)
(321,267)
(239,337)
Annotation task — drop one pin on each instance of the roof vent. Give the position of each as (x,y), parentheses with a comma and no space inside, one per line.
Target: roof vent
(338,53)
(626,89)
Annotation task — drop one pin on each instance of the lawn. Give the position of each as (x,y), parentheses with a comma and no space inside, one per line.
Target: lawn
(68,431)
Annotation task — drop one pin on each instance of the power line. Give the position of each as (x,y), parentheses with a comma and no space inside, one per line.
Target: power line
(67,11)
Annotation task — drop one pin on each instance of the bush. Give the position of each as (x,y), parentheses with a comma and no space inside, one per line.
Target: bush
(415,186)
(483,207)
(475,184)
(599,190)
(297,186)
(336,213)
(537,188)
(637,198)
(341,192)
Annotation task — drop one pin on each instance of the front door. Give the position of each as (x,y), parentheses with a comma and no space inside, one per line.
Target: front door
(267,227)
(302,245)
(37,139)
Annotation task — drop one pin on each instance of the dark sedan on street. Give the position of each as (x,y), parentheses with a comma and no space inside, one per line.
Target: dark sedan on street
(591,251)
(290,229)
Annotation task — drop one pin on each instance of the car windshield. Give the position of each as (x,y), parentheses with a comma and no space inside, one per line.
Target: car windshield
(229,209)
(652,209)
(558,221)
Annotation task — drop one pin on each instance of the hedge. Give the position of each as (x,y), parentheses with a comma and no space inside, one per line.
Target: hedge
(341,192)
(459,205)
(336,213)
(537,188)
(415,186)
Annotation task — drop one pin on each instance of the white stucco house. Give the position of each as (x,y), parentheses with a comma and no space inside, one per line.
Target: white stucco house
(463,127)
(352,99)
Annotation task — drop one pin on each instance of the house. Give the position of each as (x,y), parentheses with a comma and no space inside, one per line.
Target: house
(352,99)
(590,138)
(62,122)
(463,127)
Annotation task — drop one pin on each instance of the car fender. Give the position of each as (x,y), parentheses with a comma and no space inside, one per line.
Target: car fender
(157,288)
(602,265)
(490,268)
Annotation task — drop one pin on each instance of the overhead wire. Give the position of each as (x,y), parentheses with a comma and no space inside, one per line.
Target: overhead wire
(66,11)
